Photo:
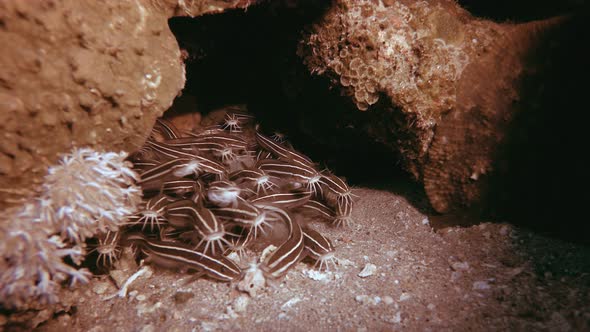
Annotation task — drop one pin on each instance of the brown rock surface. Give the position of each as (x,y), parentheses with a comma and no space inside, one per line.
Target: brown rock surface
(444,85)
(83,73)
(469,139)
(80,73)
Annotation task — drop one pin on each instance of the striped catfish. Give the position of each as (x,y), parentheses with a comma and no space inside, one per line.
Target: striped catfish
(304,174)
(319,248)
(247,215)
(233,122)
(201,146)
(335,186)
(171,185)
(319,208)
(343,220)
(108,248)
(174,254)
(181,188)
(223,193)
(282,152)
(289,253)
(152,213)
(193,163)
(254,179)
(283,200)
(192,144)
(221,138)
(153,176)
(210,229)
(165,129)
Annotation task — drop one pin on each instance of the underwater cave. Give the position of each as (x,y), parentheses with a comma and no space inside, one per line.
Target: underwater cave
(433,150)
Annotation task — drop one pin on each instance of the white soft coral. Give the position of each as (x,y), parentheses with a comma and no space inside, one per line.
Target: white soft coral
(87,192)
(32,266)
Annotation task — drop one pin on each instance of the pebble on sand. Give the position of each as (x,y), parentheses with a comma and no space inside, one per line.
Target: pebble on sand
(368,270)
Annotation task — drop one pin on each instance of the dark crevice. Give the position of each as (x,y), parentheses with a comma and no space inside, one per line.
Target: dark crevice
(249,57)
(524,10)
(541,180)
(70,126)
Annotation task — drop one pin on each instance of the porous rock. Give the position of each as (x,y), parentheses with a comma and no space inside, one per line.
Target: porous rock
(442,84)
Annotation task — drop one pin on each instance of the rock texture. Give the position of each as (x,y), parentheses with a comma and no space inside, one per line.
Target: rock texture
(442,86)
(80,73)
(83,73)
(445,84)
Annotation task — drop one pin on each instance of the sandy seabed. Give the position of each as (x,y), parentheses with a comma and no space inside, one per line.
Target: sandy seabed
(398,270)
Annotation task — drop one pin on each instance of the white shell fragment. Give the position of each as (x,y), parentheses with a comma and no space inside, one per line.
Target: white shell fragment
(240,304)
(253,281)
(316,275)
(267,251)
(290,303)
(481,285)
(368,270)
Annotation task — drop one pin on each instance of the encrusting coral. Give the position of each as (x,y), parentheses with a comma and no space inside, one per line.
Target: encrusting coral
(442,87)
(379,48)
(88,193)
(407,54)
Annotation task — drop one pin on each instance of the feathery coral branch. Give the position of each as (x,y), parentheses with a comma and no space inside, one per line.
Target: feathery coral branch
(87,192)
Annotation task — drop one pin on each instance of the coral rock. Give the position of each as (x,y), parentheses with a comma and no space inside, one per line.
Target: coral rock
(441,81)
(84,73)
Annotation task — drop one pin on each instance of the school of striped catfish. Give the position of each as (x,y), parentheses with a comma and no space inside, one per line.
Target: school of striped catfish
(221,190)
